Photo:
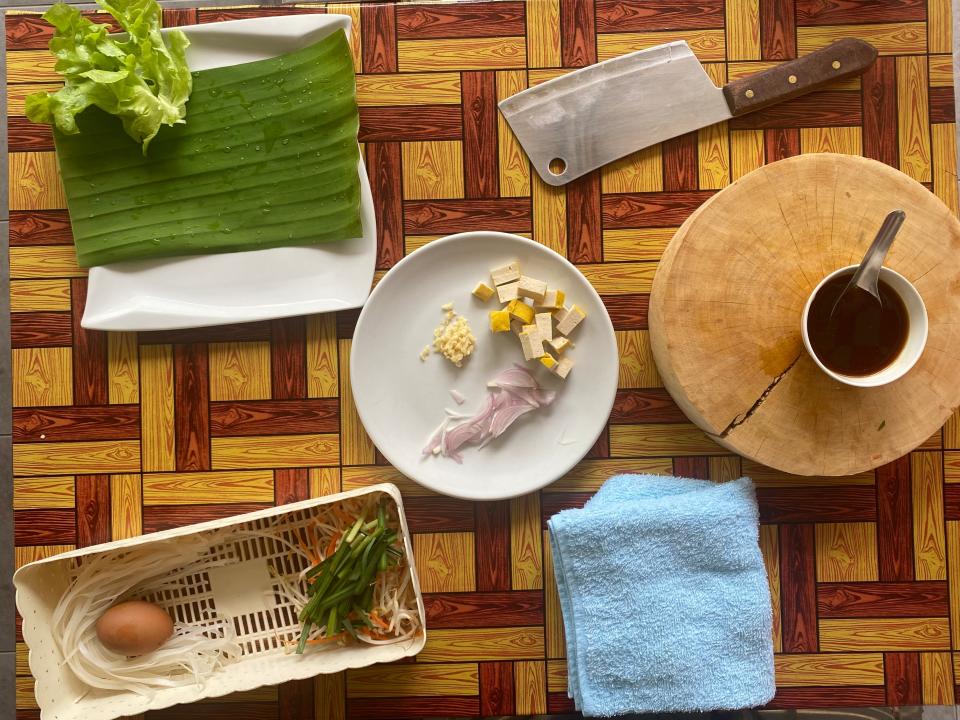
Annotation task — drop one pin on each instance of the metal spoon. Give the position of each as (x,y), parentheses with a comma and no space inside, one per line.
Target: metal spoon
(867,275)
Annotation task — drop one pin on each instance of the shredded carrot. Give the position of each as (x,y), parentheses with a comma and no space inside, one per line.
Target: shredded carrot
(373,635)
(332,545)
(332,638)
(377,621)
(307,551)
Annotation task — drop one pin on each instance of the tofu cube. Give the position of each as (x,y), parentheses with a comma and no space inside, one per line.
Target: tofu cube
(507,292)
(544,323)
(521,311)
(531,343)
(563,368)
(506,273)
(552,300)
(532,288)
(549,302)
(516,326)
(483,291)
(560,345)
(499,321)
(548,362)
(567,320)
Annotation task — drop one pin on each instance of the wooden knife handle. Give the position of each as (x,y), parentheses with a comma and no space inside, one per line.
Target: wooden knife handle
(838,60)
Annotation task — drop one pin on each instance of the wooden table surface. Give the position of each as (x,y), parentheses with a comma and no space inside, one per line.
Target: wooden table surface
(118,434)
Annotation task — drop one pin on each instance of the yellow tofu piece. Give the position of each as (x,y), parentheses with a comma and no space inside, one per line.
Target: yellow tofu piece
(569,319)
(560,345)
(532,288)
(531,343)
(548,362)
(505,273)
(544,323)
(507,292)
(483,291)
(499,321)
(552,300)
(521,311)
(545,303)
(563,368)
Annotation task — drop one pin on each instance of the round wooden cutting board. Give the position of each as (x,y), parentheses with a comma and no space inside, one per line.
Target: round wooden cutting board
(726,304)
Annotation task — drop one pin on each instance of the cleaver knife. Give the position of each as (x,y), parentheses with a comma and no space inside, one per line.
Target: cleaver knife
(573,124)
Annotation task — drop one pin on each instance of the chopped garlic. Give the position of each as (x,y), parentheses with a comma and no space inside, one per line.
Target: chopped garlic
(567,320)
(506,273)
(532,288)
(425,352)
(483,291)
(453,337)
(507,292)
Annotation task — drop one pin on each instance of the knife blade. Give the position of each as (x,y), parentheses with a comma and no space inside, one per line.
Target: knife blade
(576,123)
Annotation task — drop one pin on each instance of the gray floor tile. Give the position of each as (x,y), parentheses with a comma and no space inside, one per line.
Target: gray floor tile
(939,712)
(8,695)
(7,634)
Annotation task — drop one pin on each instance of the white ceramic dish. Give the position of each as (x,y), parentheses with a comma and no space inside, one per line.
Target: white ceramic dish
(62,696)
(239,287)
(916,335)
(401,399)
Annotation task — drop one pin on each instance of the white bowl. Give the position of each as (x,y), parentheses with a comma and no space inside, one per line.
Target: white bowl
(916,334)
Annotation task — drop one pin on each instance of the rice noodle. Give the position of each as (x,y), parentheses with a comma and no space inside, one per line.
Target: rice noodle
(189,656)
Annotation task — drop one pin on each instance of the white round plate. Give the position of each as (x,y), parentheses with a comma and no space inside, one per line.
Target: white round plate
(401,399)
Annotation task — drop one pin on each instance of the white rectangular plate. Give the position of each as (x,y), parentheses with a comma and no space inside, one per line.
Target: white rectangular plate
(227,288)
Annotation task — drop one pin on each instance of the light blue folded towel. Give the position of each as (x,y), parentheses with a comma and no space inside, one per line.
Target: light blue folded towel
(665,599)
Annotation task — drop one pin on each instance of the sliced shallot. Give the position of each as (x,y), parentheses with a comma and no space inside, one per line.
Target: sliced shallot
(512,394)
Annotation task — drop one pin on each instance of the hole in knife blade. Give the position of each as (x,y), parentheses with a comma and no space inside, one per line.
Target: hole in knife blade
(557,166)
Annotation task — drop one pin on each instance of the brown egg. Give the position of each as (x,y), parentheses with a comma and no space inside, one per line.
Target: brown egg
(134,628)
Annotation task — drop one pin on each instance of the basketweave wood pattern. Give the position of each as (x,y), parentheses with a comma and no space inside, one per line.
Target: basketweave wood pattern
(117,434)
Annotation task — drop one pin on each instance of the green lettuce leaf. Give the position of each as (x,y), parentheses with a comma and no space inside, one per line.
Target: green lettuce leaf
(141,79)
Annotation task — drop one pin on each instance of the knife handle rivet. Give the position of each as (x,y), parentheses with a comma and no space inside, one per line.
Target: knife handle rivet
(749,93)
(792,79)
(835,64)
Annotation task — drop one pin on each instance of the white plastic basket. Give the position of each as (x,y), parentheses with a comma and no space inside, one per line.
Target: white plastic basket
(260,622)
